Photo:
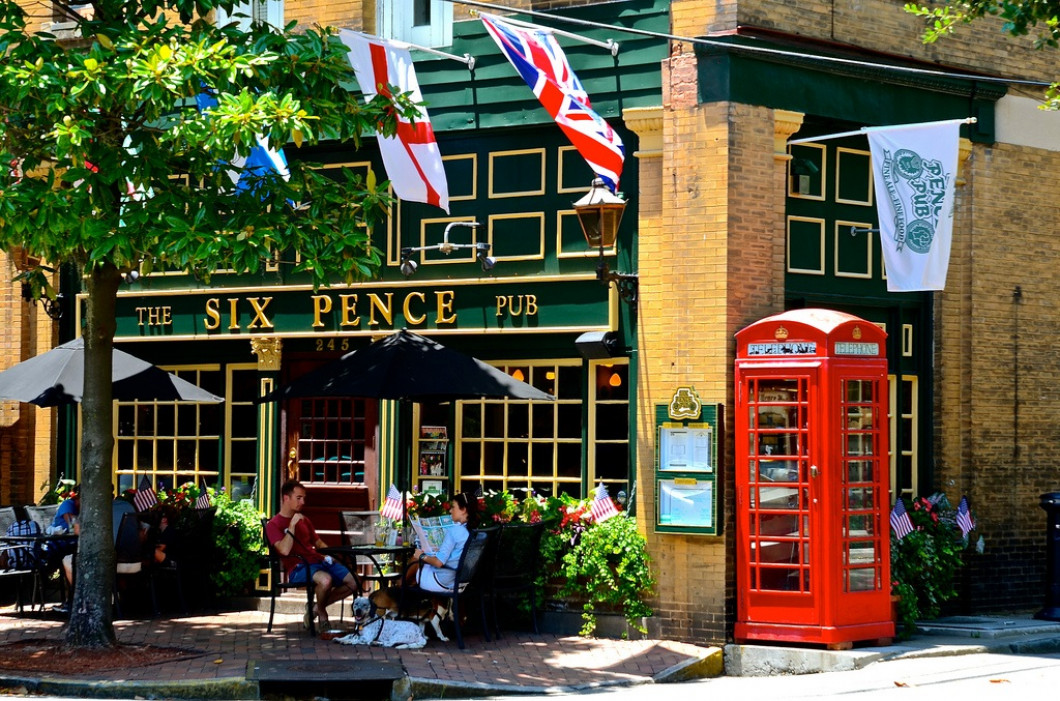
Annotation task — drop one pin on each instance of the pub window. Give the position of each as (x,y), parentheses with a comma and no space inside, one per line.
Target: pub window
(241,441)
(519,444)
(609,425)
(171,442)
(423,22)
(253,12)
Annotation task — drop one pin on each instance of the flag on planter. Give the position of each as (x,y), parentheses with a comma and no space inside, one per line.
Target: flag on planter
(145,496)
(602,507)
(411,157)
(203,501)
(915,169)
(538,59)
(901,524)
(392,507)
(964,517)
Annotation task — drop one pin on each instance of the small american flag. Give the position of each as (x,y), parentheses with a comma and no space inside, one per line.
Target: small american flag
(901,525)
(145,495)
(203,501)
(602,507)
(392,506)
(964,517)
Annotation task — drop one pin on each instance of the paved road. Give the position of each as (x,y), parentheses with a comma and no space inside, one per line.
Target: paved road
(973,677)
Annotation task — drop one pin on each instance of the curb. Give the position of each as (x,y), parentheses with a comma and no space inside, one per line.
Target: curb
(434,689)
(229,688)
(706,667)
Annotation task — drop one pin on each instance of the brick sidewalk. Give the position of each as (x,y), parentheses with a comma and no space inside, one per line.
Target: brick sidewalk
(228,640)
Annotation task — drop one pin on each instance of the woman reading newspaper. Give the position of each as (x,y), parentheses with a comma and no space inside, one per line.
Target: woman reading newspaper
(436,570)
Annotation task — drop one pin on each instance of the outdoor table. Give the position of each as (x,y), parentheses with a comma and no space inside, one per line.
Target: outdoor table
(377,554)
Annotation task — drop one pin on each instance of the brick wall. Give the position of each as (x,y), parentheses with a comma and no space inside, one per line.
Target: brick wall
(883,26)
(997,368)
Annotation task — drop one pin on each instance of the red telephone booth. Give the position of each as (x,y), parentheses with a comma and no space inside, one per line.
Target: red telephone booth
(811,448)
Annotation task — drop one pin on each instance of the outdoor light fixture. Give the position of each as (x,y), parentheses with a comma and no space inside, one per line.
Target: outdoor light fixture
(599,214)
(52,307)
(482,249)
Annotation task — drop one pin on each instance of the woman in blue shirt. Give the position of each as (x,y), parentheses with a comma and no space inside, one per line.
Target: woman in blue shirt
(437,570)
(66,515)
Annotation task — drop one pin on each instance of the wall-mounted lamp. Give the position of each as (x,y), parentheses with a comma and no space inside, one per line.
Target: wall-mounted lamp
(599,214)
(482,249)
(803,170)
(52,307)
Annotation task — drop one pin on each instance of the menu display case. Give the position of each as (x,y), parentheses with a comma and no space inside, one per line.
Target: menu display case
(686,472)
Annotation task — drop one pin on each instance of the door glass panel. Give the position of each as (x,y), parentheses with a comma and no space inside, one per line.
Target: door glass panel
(779,521)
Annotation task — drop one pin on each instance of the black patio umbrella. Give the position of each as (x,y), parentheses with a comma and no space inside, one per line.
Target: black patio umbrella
(408,366)
(58,377)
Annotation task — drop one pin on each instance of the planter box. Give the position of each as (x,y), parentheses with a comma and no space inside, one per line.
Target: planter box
(608,625)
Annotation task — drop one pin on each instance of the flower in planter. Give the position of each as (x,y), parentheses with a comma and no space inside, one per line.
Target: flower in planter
(924,563)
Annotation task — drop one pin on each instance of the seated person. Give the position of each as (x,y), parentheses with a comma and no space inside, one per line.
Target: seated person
(164,538)
(436,571)
(293,536)
(66,515)
(118,508)
(64,521)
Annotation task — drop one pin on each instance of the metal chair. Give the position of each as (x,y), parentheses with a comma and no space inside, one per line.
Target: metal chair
(515,566)
(129,552)
(41,515)
(361,528)
(278,582)
(472,561)
(50,562)
(20,557)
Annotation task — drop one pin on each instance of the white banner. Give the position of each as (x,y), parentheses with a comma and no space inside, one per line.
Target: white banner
(411,157)
(915,169)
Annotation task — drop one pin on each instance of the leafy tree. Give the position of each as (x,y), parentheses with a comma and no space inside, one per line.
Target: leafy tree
(99,126)
(1040,20)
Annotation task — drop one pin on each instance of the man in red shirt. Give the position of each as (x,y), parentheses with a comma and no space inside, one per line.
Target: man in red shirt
(295,539)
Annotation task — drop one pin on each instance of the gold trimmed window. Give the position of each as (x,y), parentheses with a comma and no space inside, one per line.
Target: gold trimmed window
(241,438)
(171,442)
(517,444)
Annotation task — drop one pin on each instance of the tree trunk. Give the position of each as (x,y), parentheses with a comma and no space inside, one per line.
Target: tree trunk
(91,620)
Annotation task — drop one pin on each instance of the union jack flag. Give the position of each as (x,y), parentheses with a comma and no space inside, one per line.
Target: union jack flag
(392,507)
(537,57)
(964,517)
(901,524)
(145,495)
(602,507)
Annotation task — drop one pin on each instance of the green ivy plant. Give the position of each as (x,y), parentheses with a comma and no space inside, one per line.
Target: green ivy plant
(609,566)
(925,562)
(238,542)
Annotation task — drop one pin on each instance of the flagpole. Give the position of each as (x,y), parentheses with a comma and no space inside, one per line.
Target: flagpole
(895,127)
(466,59)
(611,45)
(744,48)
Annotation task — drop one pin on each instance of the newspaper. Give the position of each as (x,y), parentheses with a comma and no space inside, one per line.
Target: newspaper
(430,532)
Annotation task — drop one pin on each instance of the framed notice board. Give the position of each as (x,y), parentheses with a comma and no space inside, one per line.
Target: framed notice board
(687,453)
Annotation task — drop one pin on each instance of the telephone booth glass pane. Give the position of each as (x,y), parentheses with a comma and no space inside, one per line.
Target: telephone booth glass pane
(862,566)
(778,484)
